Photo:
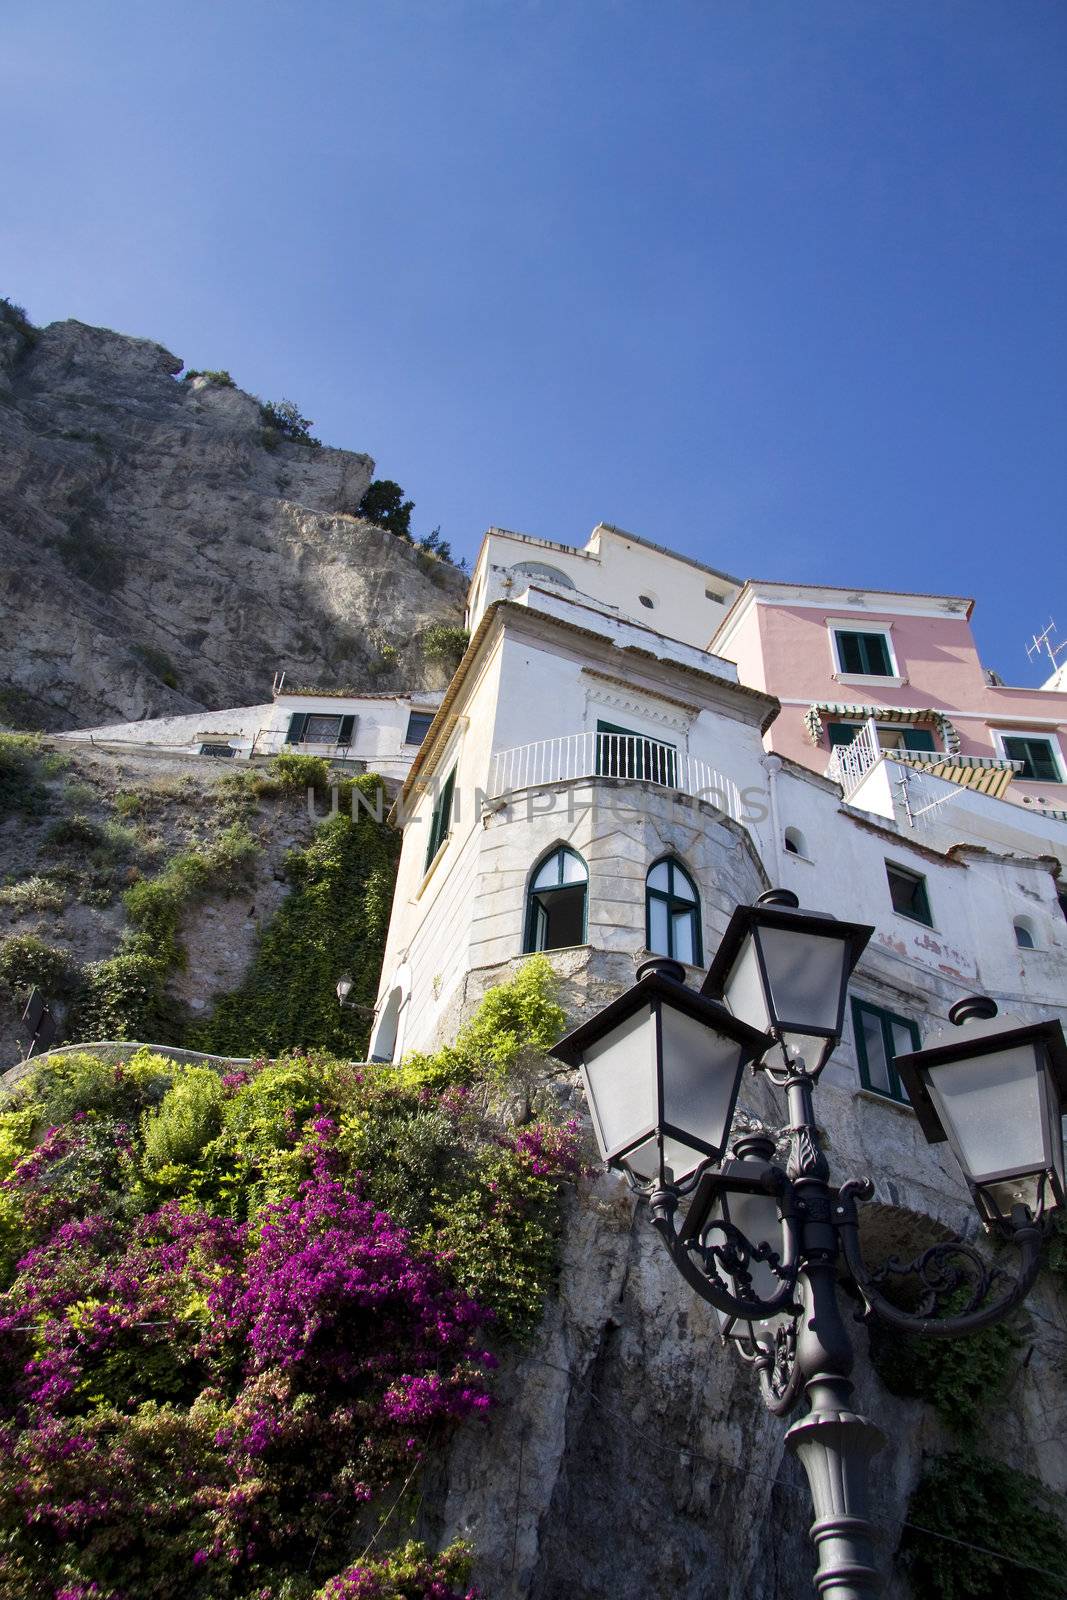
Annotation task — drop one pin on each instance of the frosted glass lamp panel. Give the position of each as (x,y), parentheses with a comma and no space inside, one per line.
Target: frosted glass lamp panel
(743,992)
(805,972)
(657,926)
(659,877)
(683,937)
(573,870)
(700,1072)
(990,1107)
(756,1215)
(620,1081)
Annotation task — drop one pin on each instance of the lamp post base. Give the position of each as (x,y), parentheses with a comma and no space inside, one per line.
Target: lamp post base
(834,1449)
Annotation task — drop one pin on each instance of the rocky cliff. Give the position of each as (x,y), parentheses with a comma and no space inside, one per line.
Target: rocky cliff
(163,551)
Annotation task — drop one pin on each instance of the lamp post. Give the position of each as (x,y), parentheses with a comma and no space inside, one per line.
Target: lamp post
(763,1244)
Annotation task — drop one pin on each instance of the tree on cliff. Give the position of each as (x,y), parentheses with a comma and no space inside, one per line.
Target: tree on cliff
(385,505)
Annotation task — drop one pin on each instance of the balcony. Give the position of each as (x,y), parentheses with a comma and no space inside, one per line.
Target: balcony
(575,756)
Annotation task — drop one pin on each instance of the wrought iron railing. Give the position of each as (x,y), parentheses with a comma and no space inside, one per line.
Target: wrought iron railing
(612,755)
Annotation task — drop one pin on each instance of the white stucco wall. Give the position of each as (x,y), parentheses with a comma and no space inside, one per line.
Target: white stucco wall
(689,601)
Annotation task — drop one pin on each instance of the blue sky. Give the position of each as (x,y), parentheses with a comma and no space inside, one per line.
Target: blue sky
(779,285)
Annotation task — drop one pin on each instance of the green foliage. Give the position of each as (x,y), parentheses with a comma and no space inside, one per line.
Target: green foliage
(384,504)
(34,894)
(958,1377)
(218,376)
(187,1120)
(26,961)
(125,997)
(158,663)
(499,1236)
(974,1501)
(296,773)
(515,1019)
(20,787)
(80,1083)
(444,643)
(334,921)
(409,1573)
(282,420)
(16,316)
(431,544)
(99,844)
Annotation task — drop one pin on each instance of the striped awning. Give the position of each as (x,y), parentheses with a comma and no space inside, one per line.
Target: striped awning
(985,774)
(813,719)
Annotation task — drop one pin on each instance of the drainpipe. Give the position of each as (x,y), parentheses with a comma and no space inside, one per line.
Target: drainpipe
(772,766)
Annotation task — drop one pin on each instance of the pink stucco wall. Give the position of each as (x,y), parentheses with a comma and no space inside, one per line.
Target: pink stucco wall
(787,651)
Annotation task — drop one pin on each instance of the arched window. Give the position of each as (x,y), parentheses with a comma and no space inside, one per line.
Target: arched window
(795,842)
(541,569)
(1024,934)
(672,913)
(555,905)
(384,1045)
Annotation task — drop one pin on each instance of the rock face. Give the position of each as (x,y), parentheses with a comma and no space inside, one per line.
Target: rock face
(160,551)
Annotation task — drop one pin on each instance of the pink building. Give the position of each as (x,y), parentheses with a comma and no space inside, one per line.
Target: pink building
(858,671)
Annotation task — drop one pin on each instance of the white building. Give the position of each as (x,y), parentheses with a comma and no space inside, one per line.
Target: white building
(595,784)
(369,732)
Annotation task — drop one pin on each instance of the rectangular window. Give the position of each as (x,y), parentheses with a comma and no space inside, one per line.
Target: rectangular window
(319,728)
(907,891)
(441,821)
(418,726)
(842,732)
(881,1036)
(1037,756)
(863,654)
(222,752)
(621,753)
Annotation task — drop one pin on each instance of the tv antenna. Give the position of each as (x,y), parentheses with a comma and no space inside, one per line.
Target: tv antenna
(1041,644)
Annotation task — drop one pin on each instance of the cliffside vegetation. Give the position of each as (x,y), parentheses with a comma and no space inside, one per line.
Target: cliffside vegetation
(240,1312)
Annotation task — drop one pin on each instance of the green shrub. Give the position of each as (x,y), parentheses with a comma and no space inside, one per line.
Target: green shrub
(99,844)
(15,316)
(333,922)
(282,420)
(20,785)
(409,1573)
(34,894)
(973,1501)
(158,663)
(218,376)
(433,545)
(65,1086)
(444,643)
(296,773)
(27,962)
(189,1117)
(384,504)
(958,1377)
(124,997)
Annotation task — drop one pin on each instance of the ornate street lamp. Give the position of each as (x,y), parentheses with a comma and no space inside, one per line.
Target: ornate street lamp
(763,1244)
(661,1067)
(995,1093)
(786,972)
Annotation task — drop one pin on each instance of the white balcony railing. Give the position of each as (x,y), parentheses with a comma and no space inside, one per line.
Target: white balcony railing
(849,764)
(611,755)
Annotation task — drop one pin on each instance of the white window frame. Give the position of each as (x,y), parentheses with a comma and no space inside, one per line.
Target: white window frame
(1050,737)
(836,625)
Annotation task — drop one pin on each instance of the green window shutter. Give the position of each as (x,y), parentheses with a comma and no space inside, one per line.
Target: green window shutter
(347,726)
(866,654)
(1039,763)
(919,739)
(297,723)
(841,732)
(881,1036)
(442,817)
